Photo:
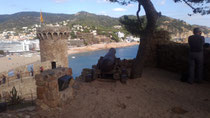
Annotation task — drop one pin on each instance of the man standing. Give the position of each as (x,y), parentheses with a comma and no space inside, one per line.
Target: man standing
(32,71)
(41,69)
(196,43)
(3,79)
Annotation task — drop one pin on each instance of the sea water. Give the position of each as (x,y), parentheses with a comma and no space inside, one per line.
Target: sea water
(207,40)
(85,60)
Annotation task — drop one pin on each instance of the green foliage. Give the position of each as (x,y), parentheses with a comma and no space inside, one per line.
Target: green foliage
(14,98)
(93,20)
(103,24)
(85,43)
(26,19)
(174,26)
(198,6)
(131,24)
(115,37)
(2,52)
(73,36)
(86,31)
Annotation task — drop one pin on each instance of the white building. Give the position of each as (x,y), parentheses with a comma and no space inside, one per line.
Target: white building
(132,39)
(11,46)
(34,44)
(94,32)
(120,34)
(77,27)
(19,46)
(25,45)
(117,27)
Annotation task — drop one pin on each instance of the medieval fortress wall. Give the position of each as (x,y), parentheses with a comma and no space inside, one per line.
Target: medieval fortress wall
(54,60)
(24,71)
(53,48)
(53,45)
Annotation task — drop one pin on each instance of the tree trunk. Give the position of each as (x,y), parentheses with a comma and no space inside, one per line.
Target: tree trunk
(146,38)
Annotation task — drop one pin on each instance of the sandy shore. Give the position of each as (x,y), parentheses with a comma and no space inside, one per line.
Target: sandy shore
(100,47)
(10,62)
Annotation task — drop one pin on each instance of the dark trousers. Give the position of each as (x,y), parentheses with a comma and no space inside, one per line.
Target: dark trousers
(195,66)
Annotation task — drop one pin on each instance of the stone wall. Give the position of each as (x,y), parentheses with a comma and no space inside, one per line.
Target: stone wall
(24,72)
(54,50)
(75,43)
(53,44)
(48,95)
(90,39)
(159,37)
(174,57)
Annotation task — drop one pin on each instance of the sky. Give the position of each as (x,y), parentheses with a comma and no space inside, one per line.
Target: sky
(102,7)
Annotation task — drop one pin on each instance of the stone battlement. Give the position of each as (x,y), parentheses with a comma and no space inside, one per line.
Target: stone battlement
(53,44)
(53,33)
(174,57)
(48,94)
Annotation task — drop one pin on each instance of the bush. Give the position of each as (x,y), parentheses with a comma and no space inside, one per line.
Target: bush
(73,36)
(115,37)
(2,52)
(14,97)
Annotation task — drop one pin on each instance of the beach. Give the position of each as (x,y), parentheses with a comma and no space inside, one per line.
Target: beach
(100,47)
(13,61)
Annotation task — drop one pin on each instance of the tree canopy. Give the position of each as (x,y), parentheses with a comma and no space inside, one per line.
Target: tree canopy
(198,6)
(147,45)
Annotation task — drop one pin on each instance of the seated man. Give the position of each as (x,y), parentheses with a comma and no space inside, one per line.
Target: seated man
(196,43)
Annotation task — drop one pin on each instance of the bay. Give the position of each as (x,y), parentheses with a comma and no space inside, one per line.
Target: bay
(207,40)
(85,60)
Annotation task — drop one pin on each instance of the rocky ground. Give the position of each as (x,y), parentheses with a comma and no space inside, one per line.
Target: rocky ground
(158,94)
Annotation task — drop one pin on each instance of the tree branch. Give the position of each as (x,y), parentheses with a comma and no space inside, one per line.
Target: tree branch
(137,14)
(189,5)
(151,14)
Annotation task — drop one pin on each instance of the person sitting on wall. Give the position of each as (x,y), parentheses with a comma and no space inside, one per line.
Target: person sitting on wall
(196,43)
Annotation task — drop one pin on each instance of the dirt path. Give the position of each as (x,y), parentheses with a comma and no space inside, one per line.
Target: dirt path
(158,94)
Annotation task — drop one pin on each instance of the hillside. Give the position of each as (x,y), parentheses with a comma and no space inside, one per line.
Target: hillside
(178,28)
(85,18)
(27,19)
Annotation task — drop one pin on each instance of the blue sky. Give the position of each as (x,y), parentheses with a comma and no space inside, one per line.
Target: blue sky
(102,7)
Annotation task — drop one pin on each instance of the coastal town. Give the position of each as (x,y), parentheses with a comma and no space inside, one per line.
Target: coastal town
(104,59)
(25,39)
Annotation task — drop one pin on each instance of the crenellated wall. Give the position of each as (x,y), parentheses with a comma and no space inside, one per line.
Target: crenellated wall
(53,44)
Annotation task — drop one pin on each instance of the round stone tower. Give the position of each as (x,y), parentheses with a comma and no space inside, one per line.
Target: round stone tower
(53,45)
